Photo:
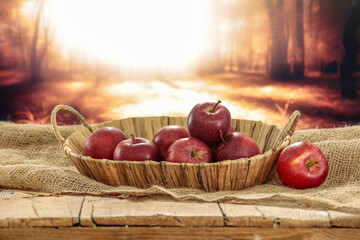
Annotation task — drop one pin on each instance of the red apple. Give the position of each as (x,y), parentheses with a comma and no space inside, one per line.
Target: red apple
(231,129)
(102,142)
(189,150)
(136,149)
(236,145)
(213,146)
(167,136)
(302,165)
(206,120)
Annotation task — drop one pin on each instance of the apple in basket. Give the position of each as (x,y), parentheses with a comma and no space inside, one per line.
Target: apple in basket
(236,145)
(167,136)
(231,129)
(206,120)
(136,149)
(189,150)
(214,145)
(302,165)
(102,142)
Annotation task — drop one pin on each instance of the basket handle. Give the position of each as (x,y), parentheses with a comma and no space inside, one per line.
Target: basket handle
(288,129)
(54,122)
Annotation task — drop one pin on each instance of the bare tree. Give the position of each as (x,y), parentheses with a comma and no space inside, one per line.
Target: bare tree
(348,64)
(21,42)
(279,66)
(250,53)
(299,67)
(35,61)
(310,15)
(232,47)
(218,63)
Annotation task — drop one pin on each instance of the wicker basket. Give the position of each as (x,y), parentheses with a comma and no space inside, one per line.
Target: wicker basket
(225,175)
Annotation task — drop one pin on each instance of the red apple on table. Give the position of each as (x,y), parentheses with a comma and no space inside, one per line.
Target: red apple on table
(189,150)
(102,142)
(236,145)
(136,149)
(302,165)
(167,136)
(206,120)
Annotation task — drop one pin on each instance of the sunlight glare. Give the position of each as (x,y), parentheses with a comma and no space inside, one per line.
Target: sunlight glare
(267,89)
(77,85)
(172,100)
(131,33)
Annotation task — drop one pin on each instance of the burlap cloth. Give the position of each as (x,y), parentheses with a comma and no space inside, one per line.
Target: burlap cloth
(31,158)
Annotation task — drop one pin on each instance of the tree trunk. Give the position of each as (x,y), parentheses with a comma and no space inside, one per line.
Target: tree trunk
(21,42)
(310,15)
(267,56)
(279,67)
(267,62)
(238,48)
(2,65)
(300,53)
(348,64)
(232,47)
(218,63)
(35,64)
(250,56)
(13,60)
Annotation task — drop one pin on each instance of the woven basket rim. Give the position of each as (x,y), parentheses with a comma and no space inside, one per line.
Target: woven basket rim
(68,150)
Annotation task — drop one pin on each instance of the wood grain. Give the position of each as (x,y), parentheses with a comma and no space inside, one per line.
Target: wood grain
(244,216)
(117,212)
(177,233)
(284,217)
(18,209)
(24,210)
(267,216)
(340,219)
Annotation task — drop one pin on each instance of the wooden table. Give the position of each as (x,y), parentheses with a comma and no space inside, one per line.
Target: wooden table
(28,216)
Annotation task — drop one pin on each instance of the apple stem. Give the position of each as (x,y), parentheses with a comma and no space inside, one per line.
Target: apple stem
(213,109)
(133,138)
(222,138)
(192,153)
(311,163)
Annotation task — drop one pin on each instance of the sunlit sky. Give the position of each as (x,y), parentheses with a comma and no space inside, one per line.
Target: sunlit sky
(132,33)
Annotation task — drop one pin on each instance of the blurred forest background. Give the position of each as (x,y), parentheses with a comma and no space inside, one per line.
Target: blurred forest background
(114,59)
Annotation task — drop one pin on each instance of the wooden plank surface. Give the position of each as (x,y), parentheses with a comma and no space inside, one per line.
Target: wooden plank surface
(244,216)
(177,233)
(267,216)
(116,212)
(284,217)
(340,219)
(18,209)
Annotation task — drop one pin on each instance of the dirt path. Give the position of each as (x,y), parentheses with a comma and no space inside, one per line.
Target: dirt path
(246,95)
